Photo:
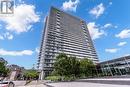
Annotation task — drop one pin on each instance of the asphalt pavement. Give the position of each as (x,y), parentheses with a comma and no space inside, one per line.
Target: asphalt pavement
(96,82)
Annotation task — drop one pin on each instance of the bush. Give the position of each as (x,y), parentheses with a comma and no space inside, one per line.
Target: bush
(60,78)
(53,78)
(69,78)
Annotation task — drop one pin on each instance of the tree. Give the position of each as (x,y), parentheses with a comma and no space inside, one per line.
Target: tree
(3,70)
(72,66)
(75,66)
(31,74)
(65,65)
(87,67)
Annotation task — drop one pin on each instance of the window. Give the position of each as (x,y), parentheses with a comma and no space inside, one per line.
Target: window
(57,26)
(58,22)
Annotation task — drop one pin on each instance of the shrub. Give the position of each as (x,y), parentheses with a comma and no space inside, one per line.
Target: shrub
(69,78)
(53,78)
(60,78)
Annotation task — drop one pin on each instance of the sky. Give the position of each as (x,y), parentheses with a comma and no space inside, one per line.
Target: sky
(108,22)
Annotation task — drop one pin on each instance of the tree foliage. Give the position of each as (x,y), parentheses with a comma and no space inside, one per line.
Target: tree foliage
(31,74)
(3,70)
(65,65)
(72,66)
(87,68)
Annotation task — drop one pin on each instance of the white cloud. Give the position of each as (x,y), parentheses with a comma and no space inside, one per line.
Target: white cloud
(109,25)
(70,5)
(127,55)
(124,34)
(94,30)
(122,43)
(44,19)
(21,21)
(0,25)
(1,37)
(115,26)
(6,35)
(21,1)
(113,50)
(37,49)
(110,3)
(15,53)
(98,10)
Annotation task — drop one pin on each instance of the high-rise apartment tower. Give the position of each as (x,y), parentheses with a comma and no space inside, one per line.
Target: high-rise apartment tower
(64,33)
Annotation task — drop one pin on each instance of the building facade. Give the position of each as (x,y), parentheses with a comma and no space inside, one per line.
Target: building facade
(118,66)
(16,72)
(64,33)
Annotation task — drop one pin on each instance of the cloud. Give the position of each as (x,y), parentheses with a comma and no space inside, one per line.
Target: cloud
(15,53)
(37,49)
(22,20)
(0,25)
(6,35)
(1,37)
(110,3)
(95,32)
(109,25)
(70,5)
(122,43)
(113,50)
(127,55)
(98,10)
(124,34)
(44,20)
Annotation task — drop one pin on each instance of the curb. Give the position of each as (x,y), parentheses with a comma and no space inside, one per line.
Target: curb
(47,85)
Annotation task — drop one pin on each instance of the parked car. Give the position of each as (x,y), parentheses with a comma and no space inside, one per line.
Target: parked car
(6,84)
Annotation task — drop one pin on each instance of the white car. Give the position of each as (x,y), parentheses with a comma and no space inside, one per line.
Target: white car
(6,84)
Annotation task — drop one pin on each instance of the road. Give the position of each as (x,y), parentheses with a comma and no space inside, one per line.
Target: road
(99,82)
(114,81)
(31,84)
(19,83)
(96,82)
(40,85)
(84,84)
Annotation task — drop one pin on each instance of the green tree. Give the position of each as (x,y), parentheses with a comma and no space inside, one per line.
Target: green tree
(66,66)
(74,66)
(87,68)
(3,70)
(31,74)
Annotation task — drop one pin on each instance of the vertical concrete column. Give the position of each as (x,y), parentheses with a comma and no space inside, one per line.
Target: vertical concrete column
(128,65)
(109,68)
(41,75)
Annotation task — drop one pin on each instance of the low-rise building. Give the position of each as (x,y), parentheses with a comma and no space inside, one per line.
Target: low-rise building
(118,66)
(16,72)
